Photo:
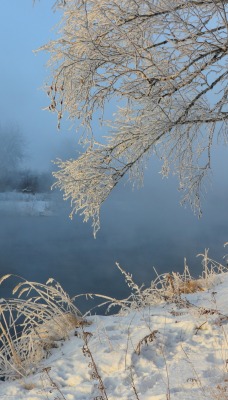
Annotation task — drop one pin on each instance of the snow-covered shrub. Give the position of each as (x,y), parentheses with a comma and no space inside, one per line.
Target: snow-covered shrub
(31,324)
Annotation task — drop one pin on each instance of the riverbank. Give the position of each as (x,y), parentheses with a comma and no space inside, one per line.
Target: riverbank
(168,341)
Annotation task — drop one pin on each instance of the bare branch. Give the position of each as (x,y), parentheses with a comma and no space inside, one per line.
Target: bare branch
(167,63)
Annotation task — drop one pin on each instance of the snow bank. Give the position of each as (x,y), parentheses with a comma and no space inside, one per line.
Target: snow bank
(173,350)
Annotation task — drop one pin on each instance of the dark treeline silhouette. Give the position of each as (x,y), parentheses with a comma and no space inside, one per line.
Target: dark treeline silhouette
(26,181)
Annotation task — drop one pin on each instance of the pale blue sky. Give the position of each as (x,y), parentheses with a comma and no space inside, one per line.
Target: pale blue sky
(24,28)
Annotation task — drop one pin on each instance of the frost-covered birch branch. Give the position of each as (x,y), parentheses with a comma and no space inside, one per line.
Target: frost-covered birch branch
(167,63)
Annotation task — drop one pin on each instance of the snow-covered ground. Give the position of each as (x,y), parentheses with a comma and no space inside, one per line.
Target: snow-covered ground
(175,350)
(26,204)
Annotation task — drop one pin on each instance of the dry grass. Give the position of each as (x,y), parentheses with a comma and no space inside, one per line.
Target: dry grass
(165,287)
(31,324)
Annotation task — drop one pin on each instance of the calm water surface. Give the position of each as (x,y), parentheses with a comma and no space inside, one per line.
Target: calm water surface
(140,231)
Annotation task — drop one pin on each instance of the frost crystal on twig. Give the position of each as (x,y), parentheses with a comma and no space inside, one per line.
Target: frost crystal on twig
(167,62)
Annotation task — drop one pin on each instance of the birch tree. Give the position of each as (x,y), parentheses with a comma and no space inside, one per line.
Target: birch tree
(166,61)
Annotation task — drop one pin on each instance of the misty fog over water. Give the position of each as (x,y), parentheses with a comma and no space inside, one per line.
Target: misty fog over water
(140,230)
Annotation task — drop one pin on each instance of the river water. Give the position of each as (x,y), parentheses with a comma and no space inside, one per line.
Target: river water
(140,230)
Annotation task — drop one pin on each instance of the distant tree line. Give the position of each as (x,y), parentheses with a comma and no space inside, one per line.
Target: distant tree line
(13,176)
(26,181)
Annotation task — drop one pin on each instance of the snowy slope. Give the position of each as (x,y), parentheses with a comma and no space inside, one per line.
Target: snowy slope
(172,350)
